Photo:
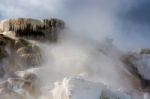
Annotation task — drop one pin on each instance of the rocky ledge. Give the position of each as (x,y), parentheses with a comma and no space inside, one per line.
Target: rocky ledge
(45,29)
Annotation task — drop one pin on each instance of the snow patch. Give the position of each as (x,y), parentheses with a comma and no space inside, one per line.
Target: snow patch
(78,88)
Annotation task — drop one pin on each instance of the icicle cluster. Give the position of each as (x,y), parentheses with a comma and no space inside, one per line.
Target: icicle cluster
(32,28)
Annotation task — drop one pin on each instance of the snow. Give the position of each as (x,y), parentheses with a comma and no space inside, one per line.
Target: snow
(78,88)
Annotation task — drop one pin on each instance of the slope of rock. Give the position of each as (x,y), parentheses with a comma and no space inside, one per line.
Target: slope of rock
(138,63)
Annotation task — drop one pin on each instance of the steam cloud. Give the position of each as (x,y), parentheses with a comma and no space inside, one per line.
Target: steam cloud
(78,51)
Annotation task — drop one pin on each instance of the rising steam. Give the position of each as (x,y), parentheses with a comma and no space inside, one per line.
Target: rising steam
(89,48)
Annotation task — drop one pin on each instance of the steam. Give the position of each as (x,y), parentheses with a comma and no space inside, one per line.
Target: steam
(78,51)
(73,56)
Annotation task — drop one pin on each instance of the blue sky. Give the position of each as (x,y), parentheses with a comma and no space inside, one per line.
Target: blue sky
(123,20)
